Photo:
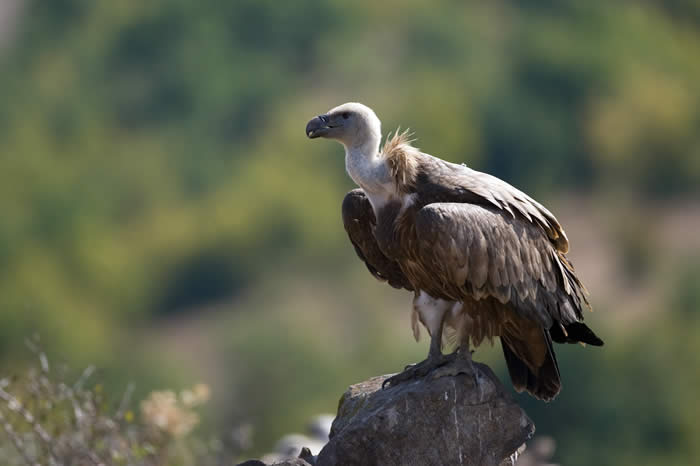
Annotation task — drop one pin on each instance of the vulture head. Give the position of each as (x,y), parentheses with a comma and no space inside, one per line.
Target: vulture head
(352,124)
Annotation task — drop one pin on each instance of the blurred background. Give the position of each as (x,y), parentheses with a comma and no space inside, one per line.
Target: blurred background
(165,219)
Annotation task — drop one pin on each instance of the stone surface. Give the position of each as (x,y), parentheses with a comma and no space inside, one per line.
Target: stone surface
(452,420)
(290,462)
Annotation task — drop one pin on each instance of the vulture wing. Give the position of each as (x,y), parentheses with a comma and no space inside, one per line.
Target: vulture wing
(509,267)
(449,182)
(476,252)
(359,222)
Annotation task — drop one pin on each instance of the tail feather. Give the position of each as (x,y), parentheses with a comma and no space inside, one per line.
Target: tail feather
(574,333)
(544,382)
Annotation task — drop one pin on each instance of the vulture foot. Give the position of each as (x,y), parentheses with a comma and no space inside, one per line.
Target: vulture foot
(420,369)
(461,363)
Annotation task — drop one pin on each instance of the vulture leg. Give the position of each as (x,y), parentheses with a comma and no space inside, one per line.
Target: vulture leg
(432,313)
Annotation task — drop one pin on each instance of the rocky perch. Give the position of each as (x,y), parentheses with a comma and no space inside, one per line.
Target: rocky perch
(454,420)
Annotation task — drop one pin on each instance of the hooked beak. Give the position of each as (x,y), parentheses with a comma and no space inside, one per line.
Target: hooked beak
(317,127)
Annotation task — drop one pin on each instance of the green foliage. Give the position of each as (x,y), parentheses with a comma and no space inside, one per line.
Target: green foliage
(142,138)
(152,161)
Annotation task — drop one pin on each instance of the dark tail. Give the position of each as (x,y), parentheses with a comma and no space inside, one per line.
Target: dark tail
(578,332)
(543,382)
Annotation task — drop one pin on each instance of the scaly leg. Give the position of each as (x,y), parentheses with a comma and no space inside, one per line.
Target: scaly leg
(433,312)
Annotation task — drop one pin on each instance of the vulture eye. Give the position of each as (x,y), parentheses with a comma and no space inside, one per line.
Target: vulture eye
(346,115)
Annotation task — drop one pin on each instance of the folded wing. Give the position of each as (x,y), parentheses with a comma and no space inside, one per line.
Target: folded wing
(359,222)
(478,252)
(515,279)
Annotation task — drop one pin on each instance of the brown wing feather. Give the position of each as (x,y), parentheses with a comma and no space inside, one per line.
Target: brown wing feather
(359,222)
(448,182)
(484,252)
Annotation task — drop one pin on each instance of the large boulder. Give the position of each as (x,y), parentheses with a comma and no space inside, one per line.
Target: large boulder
(453,420)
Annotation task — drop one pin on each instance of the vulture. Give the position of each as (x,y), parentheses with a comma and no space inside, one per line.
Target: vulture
(482,258)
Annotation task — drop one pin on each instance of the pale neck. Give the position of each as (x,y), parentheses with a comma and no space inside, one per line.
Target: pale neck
(369,171)
(369,148)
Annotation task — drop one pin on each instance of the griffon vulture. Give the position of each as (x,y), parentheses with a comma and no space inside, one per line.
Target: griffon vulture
(483,259)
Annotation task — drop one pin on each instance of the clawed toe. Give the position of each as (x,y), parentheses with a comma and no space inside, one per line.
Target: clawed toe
(421,369)
(404,376)
(457,366)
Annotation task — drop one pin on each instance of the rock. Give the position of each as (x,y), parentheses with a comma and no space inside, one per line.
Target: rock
(453,420)
(289,462)
(292,462)
(290,445)
(308,456)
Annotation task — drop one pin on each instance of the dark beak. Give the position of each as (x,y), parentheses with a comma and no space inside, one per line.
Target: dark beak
(317,127)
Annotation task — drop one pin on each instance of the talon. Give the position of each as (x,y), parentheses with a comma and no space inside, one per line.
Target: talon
(421,369)
(460,364)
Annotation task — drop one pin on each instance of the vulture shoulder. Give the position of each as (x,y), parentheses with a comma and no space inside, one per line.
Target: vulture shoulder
(448,182)
(359,222)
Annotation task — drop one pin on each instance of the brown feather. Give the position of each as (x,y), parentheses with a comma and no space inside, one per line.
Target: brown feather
(359,222)
(400,155)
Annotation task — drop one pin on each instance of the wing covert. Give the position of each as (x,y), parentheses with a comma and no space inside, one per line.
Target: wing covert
(476,251)
(451,182)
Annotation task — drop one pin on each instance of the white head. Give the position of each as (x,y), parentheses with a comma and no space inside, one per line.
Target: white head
(352,124)
(357,128)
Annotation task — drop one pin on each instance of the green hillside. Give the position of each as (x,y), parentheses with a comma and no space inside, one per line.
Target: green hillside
(161,204)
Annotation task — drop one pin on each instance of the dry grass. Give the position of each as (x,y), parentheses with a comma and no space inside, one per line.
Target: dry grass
(50,421)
